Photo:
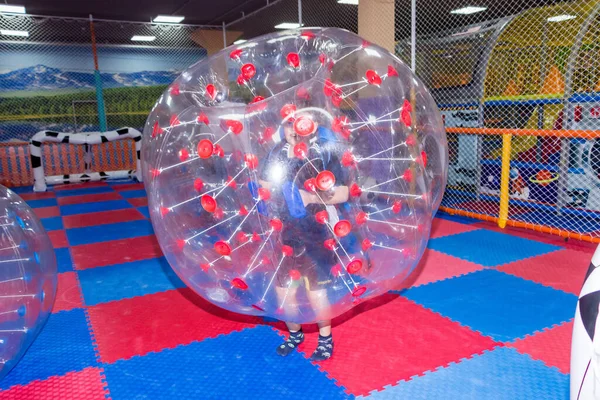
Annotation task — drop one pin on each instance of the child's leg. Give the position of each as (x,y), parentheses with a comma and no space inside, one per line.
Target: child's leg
(296,335)
(320,304)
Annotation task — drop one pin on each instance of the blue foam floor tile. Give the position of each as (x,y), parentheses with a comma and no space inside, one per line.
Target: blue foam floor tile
(499,374)
(145,212)
(117,182)
(456,218)
(63,345)
(499,305)
(85,208)
(104,233)
(82,191)
(22,189)
(123,281)
(489,248)
(241,365)
(52,223)
(132,194)
(42,203)
(64,262)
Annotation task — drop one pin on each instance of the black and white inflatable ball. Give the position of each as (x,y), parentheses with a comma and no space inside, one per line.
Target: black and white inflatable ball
(585,345)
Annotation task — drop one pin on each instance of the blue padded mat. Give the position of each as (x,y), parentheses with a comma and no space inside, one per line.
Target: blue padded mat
(496,304)
(64,262)
(499,374)
(103,233)
(42,203)
(56,350)
(123,281)
(145,212)
(242,362)
(52,223)
(489,248)
(82,191)
(132,194)
(85,208)
(456,218)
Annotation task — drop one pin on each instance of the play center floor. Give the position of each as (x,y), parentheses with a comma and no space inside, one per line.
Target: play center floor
(488,315)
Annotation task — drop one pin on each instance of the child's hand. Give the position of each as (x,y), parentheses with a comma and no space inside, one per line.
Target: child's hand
(307,197)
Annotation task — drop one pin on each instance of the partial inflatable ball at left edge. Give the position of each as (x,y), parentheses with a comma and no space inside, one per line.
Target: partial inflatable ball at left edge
(28,278)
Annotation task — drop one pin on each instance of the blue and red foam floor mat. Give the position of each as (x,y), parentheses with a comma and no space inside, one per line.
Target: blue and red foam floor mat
(485,321)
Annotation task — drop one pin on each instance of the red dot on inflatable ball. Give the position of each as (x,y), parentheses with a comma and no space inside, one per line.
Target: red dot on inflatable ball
(354,266)
(276,224)
(239,284)
(223,248)
(325,180)
(248,71)
(205,148)
(208,203)
(304,126)
(342,228)
(301,150)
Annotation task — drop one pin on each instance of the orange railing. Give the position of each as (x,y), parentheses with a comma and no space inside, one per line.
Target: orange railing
(62,159)
(503,219)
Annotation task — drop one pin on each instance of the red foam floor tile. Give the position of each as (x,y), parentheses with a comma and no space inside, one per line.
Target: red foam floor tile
(115,252)
(82,385)
(88,198)
(395,340)
(139,201)
(158,321)
(435,266)
(441,227)
(562,269)
(58,239)
(37,196)
(68,292)
(129,186)
(551,346)
(85,185)
(101,218)
(47,212)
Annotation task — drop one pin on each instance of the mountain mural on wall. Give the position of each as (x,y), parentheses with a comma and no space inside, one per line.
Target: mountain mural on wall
(41,77)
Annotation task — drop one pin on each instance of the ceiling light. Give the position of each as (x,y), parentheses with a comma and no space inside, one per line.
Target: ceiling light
(139,38)
(287,25)
(14,33)
(562,17)
(353,2)
(468,10)
(5,8)
(240,41)
(169,19)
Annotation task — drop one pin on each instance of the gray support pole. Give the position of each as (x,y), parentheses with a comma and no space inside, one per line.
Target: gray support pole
(300,13)
(413,35)
(224,35)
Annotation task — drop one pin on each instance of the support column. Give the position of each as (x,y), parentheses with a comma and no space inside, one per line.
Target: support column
(376,19)
(214,39)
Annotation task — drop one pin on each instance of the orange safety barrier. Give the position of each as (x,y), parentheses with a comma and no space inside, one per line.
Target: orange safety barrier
(525,225)
(585,134)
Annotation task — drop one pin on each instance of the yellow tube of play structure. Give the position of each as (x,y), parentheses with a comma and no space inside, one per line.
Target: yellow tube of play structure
(504,180)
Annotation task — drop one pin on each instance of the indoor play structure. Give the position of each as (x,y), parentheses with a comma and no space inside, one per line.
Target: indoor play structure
(27,278)
(297,177)
(327,178)
(521,111)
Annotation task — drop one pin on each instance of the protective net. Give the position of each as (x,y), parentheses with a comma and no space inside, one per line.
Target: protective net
(517,83)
